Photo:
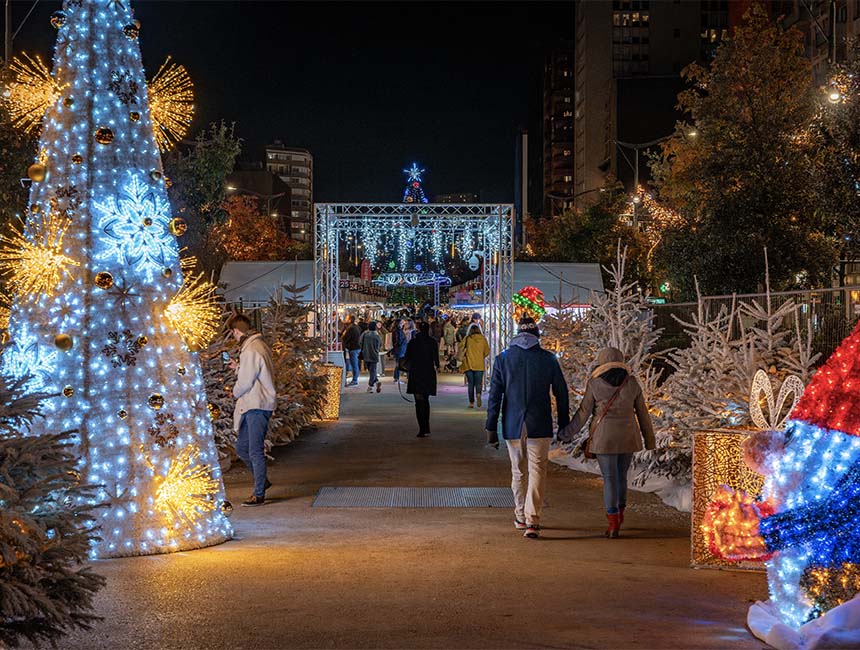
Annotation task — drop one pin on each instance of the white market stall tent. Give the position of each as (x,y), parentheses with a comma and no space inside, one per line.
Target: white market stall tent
(252,284)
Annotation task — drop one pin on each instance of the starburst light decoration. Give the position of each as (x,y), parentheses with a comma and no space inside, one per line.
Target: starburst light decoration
(30,93)
(187,490)
(193,312)
(136,222)
(414,173)
(33,260)
(171,103)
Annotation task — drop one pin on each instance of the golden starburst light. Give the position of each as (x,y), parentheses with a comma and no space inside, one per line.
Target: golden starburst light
(171,103)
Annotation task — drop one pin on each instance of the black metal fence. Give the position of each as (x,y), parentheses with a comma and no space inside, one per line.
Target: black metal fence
(831,313)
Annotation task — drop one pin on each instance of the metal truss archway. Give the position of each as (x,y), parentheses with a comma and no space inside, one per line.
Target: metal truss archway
(490,228)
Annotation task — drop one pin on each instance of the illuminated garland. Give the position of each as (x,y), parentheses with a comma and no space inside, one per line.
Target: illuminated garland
(193,312)
(33,260)
(171,103)
(31,92)
(187,490)
(830,587)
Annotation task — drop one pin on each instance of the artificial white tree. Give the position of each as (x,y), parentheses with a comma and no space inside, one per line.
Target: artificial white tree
(103,315)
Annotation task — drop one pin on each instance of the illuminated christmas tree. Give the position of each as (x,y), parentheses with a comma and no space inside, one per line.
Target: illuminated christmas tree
(414,192)
(106,315)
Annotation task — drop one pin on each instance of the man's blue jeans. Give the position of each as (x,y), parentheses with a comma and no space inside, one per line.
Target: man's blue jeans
(614,468)
(353,364)
(476,383)
(249,446)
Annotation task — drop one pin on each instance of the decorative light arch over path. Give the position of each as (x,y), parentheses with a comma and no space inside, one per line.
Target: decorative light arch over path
(485,230)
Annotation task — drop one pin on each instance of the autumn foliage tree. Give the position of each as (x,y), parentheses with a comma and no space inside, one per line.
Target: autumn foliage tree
(746,179)
(248,234)
(591,234)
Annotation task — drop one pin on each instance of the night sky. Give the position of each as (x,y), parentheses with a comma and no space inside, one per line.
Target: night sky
(366,87)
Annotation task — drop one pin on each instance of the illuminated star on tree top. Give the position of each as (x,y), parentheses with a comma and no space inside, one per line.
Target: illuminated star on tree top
(414,173)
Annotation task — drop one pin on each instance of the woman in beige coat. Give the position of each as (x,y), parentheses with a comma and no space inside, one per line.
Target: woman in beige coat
(615,404)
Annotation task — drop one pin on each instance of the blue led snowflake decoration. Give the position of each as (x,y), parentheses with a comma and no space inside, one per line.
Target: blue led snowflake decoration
(136,224)
(26,358)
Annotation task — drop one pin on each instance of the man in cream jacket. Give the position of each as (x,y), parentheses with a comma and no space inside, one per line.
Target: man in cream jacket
(255,400)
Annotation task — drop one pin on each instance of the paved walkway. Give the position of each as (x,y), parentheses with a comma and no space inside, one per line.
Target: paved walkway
(303,577)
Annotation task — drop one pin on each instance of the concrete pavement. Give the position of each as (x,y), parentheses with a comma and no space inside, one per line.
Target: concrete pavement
(303,577)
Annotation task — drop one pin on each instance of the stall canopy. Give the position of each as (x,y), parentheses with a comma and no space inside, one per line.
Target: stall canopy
(253,283)
(562,283)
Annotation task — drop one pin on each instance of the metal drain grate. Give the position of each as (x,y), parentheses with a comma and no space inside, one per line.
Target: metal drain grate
(405,497)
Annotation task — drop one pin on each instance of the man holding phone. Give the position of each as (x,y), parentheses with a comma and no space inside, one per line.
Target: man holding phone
(255,400)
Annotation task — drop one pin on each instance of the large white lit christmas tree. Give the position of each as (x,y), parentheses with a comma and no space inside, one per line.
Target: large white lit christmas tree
(103,315)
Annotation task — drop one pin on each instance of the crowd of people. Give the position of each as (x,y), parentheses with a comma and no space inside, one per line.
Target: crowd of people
(526,381)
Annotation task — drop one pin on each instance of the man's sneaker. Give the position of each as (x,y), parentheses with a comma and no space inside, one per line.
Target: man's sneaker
(370,389)
(379,387)
(520,525)
(254,501)
(532,531)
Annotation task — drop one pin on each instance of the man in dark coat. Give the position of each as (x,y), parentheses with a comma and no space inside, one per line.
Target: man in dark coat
(370,343)
(523,376)
(422,354)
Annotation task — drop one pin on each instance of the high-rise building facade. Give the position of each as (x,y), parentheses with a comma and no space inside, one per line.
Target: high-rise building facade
(558,128)
(295,167)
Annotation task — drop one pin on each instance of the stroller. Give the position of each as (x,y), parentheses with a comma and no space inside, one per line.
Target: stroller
(451,363)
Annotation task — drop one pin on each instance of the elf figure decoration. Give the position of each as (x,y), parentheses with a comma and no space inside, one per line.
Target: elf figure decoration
(529,301)
(807,525)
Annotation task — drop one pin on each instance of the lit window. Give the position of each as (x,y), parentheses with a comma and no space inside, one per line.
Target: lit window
(568,179)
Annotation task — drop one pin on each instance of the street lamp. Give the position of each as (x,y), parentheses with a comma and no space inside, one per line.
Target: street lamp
(269,197)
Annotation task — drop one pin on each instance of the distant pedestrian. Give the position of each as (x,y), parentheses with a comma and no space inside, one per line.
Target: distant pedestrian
(619,421)
(523,377)
(351,347)
(384,331)
(476,349)
(398,346)
(370,343)
(256,398)
(449,336)
(422,355)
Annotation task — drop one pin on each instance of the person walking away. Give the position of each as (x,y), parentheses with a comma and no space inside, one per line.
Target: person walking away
(422,353)
(350,343)
(619,421)
(384,331)
(449,339)
(523,377)
(476,349)
(256,398)
(398,346)
(370,342)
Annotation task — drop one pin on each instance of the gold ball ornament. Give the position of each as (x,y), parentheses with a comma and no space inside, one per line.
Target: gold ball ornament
(155,175)
(58,19)
(167,182)
(122,414)
(147,221)
(104,135)
(104,280)
(35,208)
(214,411)
(181,370)
(142,340)
(155,401)
(131,31)
(68,391)
(68,102)
(134,116)
(77,158)
(166,272)
(178,226)
(64,342)
(226,508)
(37,172)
